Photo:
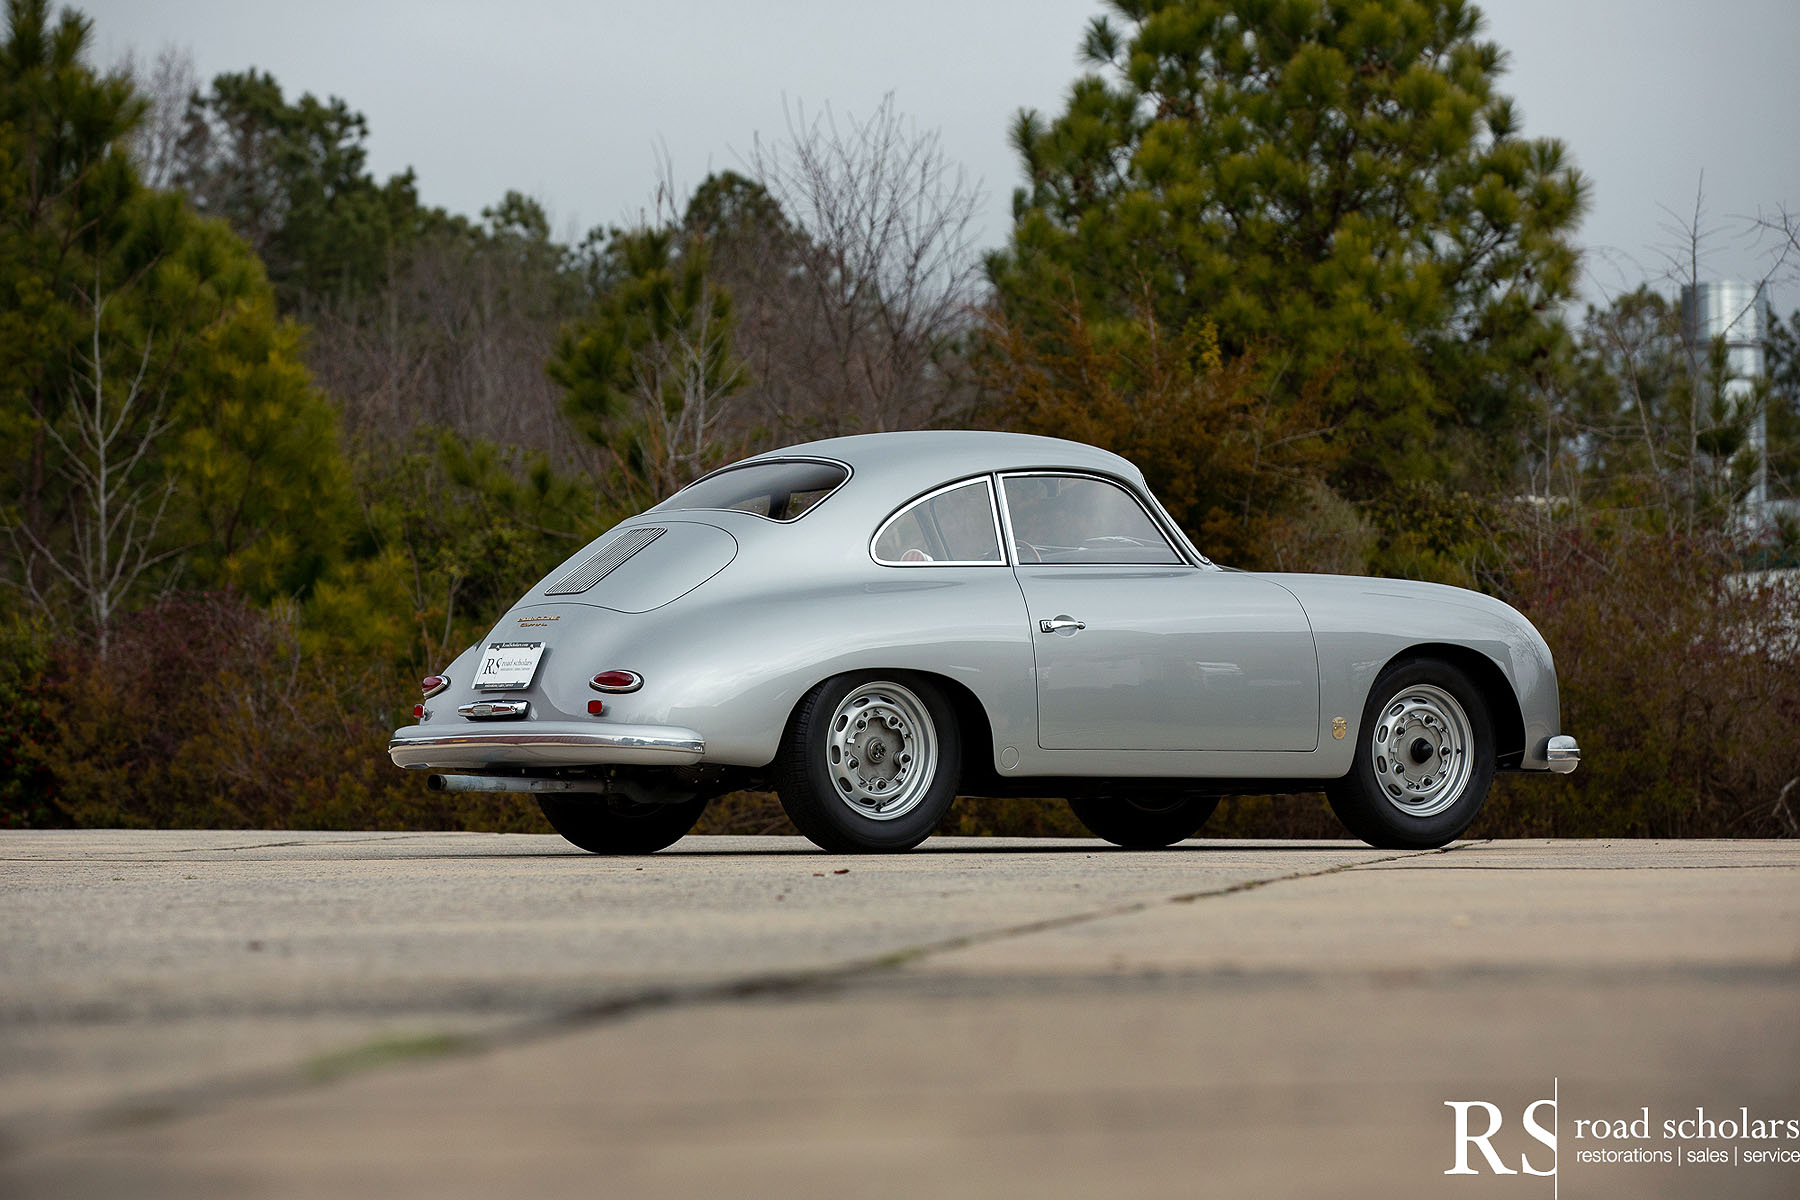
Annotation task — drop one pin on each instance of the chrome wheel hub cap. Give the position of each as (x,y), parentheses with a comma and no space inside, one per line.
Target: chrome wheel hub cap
(1422,750)
(881,751)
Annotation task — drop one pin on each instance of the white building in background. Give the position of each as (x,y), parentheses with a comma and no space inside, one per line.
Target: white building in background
(1739,313)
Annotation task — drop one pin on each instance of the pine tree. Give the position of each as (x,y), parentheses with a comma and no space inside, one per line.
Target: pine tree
(1339,187)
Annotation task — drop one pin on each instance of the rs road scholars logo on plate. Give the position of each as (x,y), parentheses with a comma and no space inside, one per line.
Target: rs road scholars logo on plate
(508,665)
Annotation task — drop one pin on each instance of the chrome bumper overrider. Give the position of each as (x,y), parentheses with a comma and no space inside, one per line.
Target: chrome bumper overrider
(1563,754)
(545,744)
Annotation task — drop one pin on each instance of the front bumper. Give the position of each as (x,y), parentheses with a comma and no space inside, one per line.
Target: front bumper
(1562,753)
(543,744)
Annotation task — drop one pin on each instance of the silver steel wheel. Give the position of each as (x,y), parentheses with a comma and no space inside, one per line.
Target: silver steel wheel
(1422,750)
(881,751)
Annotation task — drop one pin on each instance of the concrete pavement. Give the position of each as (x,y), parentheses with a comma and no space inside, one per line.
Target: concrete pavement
(462,1014)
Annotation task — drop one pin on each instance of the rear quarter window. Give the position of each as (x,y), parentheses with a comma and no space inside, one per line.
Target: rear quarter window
(953,525)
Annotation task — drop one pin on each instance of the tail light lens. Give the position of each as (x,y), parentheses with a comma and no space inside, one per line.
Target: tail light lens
(431,685)
(596,708)
(616,681)
(418,712)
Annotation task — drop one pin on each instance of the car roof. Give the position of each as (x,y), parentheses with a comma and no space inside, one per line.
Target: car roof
(917,459)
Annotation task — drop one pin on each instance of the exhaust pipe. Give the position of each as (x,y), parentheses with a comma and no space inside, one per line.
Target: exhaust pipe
(504,783)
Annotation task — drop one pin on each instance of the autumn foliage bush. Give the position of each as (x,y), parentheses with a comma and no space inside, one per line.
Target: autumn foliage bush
(1680,677)
(204,711)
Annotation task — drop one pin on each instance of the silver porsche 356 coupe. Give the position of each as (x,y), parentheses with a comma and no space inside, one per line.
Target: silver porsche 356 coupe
(872,625)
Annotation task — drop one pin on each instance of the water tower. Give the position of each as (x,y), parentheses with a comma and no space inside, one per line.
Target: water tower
(1739,313)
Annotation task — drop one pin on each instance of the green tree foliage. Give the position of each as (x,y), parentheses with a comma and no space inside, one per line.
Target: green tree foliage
(1638,422)
(1215,448)
(292,179)
(1784,407)
(729,211)
(649,373)
(453,532)
(65,188)
(1339,182)
(266,505)
(160,413)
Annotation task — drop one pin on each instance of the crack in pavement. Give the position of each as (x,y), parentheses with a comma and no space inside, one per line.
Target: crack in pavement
(1591,868)
(138,856)
(167,1104)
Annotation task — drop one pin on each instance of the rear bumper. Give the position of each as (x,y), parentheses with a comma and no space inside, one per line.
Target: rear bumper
(544,744)
(1562,753)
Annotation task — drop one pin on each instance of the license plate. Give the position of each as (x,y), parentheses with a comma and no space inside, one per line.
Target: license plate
(508,665)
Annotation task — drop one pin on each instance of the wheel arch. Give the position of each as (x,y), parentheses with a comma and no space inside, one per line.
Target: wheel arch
(972,723)
(1502,701)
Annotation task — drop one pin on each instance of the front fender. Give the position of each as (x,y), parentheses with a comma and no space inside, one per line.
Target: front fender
(1362,625)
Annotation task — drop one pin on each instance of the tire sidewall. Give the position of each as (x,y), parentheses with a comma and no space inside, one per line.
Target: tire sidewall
(598,827)
(833,820)
(1126,822)
(1377,820)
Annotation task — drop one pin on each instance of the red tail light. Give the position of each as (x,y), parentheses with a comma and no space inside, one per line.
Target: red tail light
(431,685)
(616,681)
(418,712)
(596,707)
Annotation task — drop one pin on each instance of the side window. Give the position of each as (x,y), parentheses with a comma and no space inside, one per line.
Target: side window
(1077,519)
(955,525)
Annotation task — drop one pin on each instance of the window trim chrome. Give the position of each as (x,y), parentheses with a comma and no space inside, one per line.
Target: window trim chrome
(849,473)
(1178,544)
(1004,560)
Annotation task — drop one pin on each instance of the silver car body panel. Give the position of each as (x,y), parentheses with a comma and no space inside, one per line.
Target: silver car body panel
(1170,658)
(1184,671)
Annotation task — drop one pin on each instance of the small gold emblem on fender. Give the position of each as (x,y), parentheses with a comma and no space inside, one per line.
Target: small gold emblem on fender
(536,622)
(1339,727)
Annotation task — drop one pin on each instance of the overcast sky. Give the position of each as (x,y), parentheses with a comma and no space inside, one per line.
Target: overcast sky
(575,102)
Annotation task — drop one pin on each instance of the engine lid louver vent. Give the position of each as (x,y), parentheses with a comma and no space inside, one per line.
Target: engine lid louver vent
(602,563)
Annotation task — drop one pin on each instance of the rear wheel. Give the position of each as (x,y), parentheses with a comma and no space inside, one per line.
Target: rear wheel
(613,824)
(1143,822)
(870,762)
(1424,761)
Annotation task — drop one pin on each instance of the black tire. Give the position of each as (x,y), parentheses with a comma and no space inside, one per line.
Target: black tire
(1144,822)
(608,824)
(1388,799)
(836,802)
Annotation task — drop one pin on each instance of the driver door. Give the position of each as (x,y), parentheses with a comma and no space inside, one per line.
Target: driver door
(1138,649)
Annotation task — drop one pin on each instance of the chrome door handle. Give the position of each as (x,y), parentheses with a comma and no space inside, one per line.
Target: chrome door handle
(1058,624)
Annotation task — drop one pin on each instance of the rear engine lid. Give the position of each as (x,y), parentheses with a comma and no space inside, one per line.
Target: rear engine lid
(641,567)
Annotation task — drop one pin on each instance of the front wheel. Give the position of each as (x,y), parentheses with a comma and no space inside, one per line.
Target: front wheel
(1424,761)
(869,762)
(1143,823)
(612,824)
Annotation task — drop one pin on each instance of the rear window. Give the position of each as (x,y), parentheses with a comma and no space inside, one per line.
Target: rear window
(781,491)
